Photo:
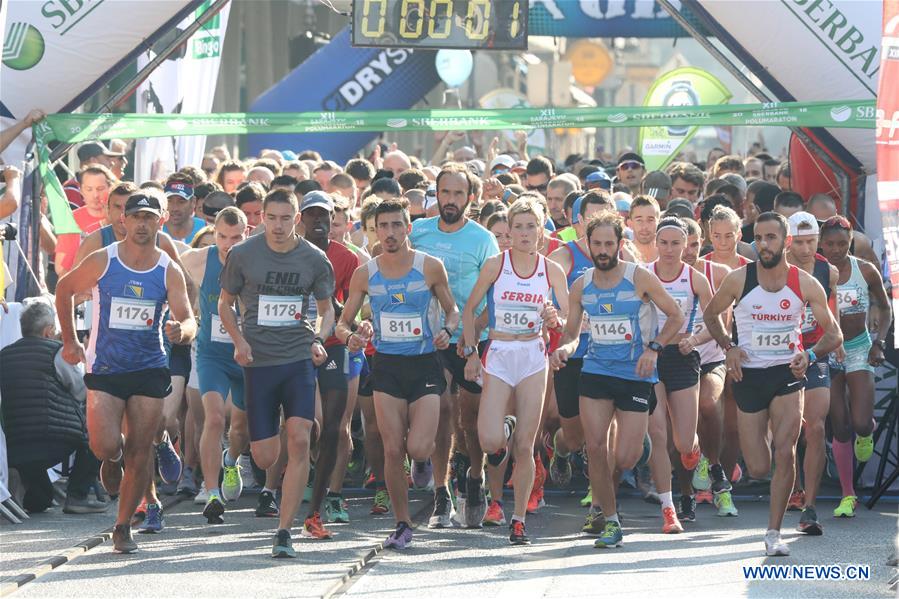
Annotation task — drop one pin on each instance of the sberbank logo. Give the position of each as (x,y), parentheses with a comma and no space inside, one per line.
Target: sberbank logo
(24,47)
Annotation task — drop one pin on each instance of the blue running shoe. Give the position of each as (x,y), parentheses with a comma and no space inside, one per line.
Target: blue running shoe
(610,537)
(283,544)
(154,522)
(400,538)
(169,462)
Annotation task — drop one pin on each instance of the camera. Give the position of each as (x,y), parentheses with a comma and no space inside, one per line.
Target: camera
(10,232)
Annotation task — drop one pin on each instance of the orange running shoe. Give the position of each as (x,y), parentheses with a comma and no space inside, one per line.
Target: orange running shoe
(671,524)
(797,501)
(494,515)
(535,502)
(704,497)
(314,528)
(140,514)
(690,460)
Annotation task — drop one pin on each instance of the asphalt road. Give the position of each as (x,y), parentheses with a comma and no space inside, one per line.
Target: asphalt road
(192,559)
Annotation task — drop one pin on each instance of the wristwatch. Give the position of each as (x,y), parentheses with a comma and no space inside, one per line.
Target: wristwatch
(881,343)
(655,346)
(468,350)
(729,346)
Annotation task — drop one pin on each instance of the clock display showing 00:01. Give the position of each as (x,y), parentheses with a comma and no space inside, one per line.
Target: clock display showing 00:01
(465,24)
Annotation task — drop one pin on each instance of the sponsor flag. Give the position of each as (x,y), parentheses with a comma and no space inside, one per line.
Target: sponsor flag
(681,88)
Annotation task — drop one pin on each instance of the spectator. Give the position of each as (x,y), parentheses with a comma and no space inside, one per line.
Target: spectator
(44,414)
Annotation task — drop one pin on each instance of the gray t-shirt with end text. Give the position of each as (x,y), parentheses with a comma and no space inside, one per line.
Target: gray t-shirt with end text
(273,289)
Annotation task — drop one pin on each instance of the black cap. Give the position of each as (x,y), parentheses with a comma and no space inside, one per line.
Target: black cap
(217,201)
(92,149)
(629,156)
(142,202)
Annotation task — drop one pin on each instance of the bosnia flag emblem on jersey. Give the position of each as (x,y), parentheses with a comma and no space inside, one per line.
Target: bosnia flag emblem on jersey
(397,298)
(132,290)
(605,308)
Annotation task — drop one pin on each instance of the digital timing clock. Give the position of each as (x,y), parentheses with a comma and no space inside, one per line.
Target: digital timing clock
(463,24)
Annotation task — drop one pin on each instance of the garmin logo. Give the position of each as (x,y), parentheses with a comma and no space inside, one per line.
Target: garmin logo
(352,91)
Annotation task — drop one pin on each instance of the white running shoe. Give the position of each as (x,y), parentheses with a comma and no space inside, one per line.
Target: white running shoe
(774,544)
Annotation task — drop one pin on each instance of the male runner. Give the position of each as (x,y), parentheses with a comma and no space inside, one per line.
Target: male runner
(464,247)
(767,359)
(272,273)
(219,375)
(643,219)
(816,404)
(620,300)
(407,375)
(127,376)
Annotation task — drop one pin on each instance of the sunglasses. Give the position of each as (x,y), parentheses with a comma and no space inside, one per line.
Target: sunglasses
(630,165)
(540,188)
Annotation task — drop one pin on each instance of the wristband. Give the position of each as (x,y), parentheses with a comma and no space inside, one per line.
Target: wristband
(319,340)
(449,333)
(812,357)
(347,340)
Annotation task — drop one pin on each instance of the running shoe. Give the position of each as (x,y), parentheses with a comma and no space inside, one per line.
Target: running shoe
(701,479)
(629,479)
(670,524)
(495,515)
(232,482)
(588,498)
(203,496)
(647,452)
(535,501)
(475,501)
(686,511)
(847,506)
(140,513)
(313,527)
(690,460)
(611,536)
(335,513)
(168,460)
(774,545)
(517,534)
(595,523)
(382,502)
(266,506)
(808,523)
(737,474)
(370,481)
(122,541)
(459,465)
(725,504)
(797,500)
(704,497)
(214,509)
(421,474)
(111,473)
(399,538)
(187,486)
(864,447)
(154,522)
(442,516)
(495,459)
(283,545)
(719,480)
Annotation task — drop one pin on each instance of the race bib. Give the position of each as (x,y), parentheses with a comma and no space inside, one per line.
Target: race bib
(400,327)
(809,322)
(609,330)
(217,332)
(773,341)
(280,310)
(131,314)
(847,300)
(517,320)
(681,297)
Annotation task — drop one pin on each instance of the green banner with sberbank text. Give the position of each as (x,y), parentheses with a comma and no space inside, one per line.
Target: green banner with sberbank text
(75,128)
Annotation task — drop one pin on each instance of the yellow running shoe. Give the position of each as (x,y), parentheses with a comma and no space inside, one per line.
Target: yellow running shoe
(588,500)
(846,509)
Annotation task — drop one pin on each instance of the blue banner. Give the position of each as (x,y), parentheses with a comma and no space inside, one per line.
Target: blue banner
(340,78)
(602,18)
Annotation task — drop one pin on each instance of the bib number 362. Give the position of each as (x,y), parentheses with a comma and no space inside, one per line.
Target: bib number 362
(280,311)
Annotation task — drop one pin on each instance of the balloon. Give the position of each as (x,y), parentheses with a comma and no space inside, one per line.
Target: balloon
(454,66)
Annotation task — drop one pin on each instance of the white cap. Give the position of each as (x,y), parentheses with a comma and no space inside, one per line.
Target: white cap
(501,160)
(808,219)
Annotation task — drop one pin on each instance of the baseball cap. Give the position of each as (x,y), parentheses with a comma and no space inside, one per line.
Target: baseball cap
(317,198)
(475,167)
(142,202)
(519,167)
(681,207)
(92,149)
(182,190)
(657,184)
(803,218)
(501,160)
(598,179)
(215,202)
(576,210)
(630,157)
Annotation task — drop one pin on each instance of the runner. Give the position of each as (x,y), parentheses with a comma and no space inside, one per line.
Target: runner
(464,247)
(677,392)
(181,224)
(620,300)
(407,375)
(271,274)
(644,217)
(127,376)
(859,291)
(804,230)
(219,375)
(709,477)
(767,359)
(514,360)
